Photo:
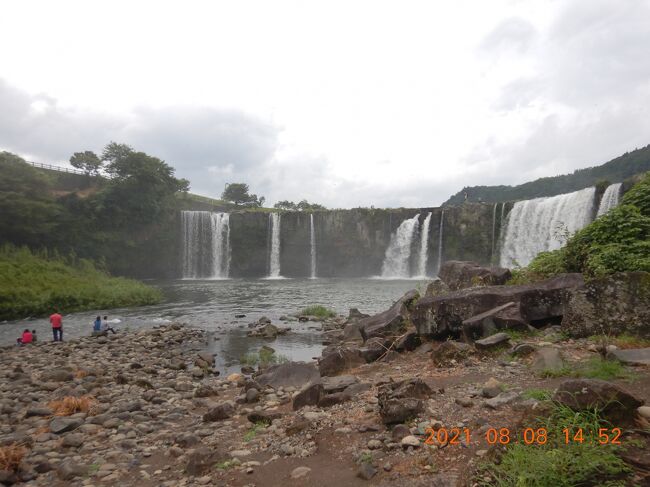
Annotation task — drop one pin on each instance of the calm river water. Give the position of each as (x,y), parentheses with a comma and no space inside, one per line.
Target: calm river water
(213,304)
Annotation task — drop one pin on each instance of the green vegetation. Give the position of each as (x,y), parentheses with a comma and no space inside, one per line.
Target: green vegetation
(557,462)
(519,334)
(238,194)
(318,311)
(251,433)
(128,220)
(226,465)
(263,358)
(616,242)
(538,394)
(594,368)
(302,205)
(33,284)
(619,169)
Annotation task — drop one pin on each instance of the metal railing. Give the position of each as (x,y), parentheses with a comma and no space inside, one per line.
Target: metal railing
(55,168)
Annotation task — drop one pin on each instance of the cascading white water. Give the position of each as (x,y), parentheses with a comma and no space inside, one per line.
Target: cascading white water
(609,199)
(538,225)
(440,235)
(312,241)
(206,244)
(494,228)
(274,256)
(398,253)
(424,246)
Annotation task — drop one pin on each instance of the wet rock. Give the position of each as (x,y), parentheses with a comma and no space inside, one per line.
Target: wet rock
(463,274)
(61,425)
(366,471)
(291,374)
(267,331)
(492,341)
(220,412)
(636,356)
(449,351)
(391,322)
(308,396)
(339,360)
(614,401)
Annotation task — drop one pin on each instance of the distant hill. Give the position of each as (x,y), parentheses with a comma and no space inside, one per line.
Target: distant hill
(614,171)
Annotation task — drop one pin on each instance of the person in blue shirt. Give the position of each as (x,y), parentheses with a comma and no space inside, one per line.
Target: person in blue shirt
(97,325)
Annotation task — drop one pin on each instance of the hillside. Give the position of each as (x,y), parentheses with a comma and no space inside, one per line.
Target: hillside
(614,171)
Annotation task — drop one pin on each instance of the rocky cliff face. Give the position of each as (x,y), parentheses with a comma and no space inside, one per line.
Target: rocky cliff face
(352,243)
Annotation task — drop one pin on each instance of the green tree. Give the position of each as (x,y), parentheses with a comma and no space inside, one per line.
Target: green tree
(285,205)
(114,152)
(238,193)
(86,161)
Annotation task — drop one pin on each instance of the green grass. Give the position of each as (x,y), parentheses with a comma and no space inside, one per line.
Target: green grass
(264,357)
(518,334)
(624,340)
(251,433)
(594,368)
(35,284)
(538,394)
(318,311)
(557,463)
(226,465)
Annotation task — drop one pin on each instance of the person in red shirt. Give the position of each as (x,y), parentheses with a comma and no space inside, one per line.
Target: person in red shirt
(27,337)
(57,328)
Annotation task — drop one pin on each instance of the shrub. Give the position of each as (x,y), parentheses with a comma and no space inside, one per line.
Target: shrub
(70,405)
(11,456)
(318,311)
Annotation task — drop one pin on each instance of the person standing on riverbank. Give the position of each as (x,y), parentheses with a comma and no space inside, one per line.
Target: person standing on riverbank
(57,326)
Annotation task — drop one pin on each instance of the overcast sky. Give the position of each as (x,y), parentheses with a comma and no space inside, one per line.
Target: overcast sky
(345,103)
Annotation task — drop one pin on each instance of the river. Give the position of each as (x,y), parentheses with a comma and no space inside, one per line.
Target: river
(212,305)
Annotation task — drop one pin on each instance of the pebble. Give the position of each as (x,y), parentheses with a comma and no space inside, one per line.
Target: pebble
(299,472)
(410,441)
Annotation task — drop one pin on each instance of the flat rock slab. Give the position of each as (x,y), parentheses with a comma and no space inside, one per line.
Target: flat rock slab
(633,356)
(501,399)
(63,425)
(338,383)
(492,341)
(292,374)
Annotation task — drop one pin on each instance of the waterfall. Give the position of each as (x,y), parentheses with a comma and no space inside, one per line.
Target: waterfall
(312,241)
(538,225)
(609,199)
(274,257)
(440,234)
(206,244)
(494,229)
(398,253)
(424,246)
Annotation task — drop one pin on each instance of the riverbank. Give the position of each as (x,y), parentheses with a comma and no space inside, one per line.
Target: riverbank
(160,415)
(33,284)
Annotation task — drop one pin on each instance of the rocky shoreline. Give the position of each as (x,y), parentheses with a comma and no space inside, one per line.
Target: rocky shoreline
(150,409)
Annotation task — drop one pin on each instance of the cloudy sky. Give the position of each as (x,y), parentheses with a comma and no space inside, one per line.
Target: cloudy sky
(346,103)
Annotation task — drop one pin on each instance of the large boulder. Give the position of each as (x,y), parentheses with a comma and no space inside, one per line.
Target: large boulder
(401,401)
(587,394)
(340,360)
(485,324)
(291,374)
(392,322)
(539,302)
(458,275)
(308,396)
(610,305)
